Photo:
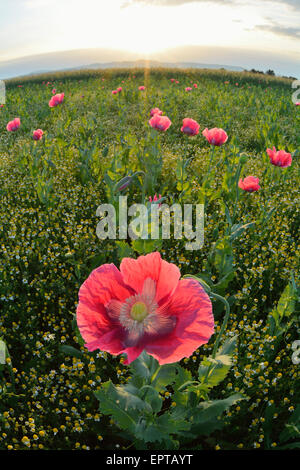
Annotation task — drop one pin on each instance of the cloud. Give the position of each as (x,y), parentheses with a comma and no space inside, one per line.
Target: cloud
(295,4)
(275,28)
(174,3)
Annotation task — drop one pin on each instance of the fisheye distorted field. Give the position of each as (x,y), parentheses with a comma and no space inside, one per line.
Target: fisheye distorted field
(52,389)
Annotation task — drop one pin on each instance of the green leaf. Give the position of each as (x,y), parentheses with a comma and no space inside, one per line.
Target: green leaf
(223,283)
(213,371)
(3,352)
(144,366)
(70,351)
(124,250)
(238,229)
(287,301)
(111,403)
(207,416)
(146,246)
(183,377)
(152,397)
(161,429)
(228,346)
(165,376)
(80,340)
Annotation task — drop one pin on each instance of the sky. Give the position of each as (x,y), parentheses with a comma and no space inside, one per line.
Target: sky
(149,27)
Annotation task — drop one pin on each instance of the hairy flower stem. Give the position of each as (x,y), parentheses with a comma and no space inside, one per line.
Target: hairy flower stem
(223,327)
(224,324)
(210,160)
(238,173)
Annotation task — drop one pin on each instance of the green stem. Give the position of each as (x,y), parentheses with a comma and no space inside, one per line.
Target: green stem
(155,374)
(212,152)
(224,324)
(211,159)
(236,191)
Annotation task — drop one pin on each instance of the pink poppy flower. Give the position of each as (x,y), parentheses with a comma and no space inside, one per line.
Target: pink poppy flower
(38,134)
(190,127)
(1,105)
(297,104)
(142,88)
(215,136)
(13,125)
(119,89)
(53,91)
(177,81)
(155,111)
(280,158)
(114,92)
(195,85)
(250,184)
(144,306)
(188,88)
(56,100)
(161,123)
(155,198)
(172,80)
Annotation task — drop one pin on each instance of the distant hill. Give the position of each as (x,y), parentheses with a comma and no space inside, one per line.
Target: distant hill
(154,63)
(180,57)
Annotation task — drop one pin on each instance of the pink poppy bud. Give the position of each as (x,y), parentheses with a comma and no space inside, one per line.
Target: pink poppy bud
(155,198)
(249,184)
(13,125)
(161,123)
(38,134)
(56,100)
(215,136)
(190,127)
(155,111)
(280,158)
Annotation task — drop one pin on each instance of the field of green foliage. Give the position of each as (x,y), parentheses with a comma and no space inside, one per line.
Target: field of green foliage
(50,190)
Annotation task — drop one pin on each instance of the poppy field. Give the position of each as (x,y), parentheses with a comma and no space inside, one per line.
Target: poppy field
(121,343)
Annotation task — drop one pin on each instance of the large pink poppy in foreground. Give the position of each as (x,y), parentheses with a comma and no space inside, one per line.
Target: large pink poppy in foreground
(144,306)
